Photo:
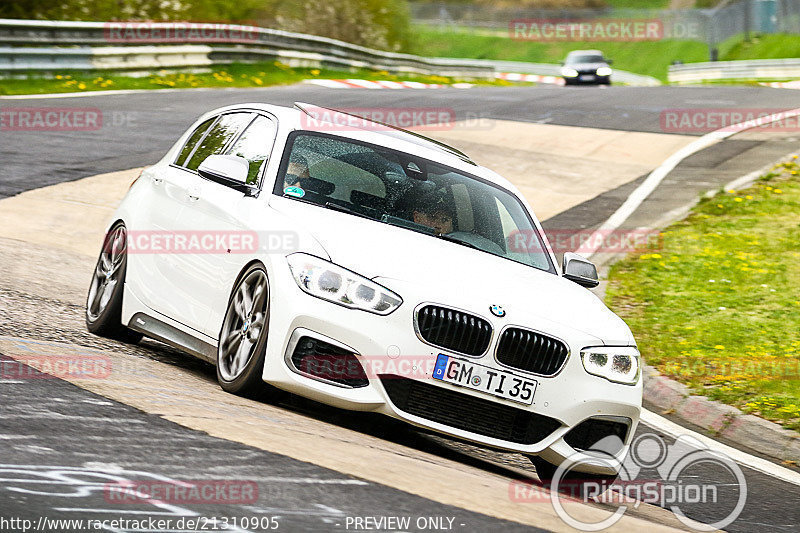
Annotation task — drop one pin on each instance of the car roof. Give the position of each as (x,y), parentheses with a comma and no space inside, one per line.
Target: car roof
(585,52)
(394,132)
(387,135)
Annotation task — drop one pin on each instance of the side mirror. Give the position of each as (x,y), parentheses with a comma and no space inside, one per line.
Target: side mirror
(230,170)
(610,61)
(580,270)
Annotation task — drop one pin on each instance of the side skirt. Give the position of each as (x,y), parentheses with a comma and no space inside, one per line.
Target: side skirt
(158,330)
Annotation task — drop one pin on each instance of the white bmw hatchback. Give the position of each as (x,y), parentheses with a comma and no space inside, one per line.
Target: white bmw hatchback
(372,269)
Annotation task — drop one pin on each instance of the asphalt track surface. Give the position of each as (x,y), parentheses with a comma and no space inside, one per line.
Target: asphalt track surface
(139,128)
(108,435)
(93,442)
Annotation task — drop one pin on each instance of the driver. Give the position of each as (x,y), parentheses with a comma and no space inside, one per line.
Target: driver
(434,213)
(296,171)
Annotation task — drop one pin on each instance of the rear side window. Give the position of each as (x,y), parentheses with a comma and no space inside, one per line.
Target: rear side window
(218,137)
(255,145)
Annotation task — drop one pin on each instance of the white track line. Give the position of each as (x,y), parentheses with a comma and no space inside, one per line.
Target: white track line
(655,178)
(109,93)
(756,463)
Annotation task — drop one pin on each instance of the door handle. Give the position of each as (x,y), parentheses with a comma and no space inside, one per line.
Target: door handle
(156,181)
(193,193)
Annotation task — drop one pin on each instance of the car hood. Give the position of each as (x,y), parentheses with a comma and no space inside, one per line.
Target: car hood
(457,275)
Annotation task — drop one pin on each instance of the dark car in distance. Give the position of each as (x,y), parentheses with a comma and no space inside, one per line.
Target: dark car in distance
(586,67)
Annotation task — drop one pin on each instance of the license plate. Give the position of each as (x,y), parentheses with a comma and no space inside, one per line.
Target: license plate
(484,379)
(587,77)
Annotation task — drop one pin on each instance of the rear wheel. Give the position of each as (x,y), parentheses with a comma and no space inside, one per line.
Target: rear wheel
(104,301)
(243,338)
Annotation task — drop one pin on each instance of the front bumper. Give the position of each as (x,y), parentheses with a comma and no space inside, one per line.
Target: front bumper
(593,80)
(389,344)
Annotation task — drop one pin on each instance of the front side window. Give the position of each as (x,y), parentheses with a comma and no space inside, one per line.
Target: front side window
(255,145)
(217,138)
(194,138)
(403,190)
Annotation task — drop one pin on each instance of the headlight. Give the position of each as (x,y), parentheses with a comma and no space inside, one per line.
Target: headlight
(619,364)
(568,72)
(604,71)
(330,282)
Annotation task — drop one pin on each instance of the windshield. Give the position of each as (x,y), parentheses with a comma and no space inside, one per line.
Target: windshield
(416,194)
(571,60)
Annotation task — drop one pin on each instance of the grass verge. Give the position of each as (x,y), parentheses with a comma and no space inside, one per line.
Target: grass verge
(718,306)
(234,75)
(777,46)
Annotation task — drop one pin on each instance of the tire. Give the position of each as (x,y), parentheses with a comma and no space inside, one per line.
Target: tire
(547,471)
(243,338)
(104,301)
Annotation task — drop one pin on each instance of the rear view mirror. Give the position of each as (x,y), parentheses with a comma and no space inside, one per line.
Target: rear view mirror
(580,270)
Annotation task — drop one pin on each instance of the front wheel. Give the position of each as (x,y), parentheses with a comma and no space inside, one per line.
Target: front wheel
(104,301)
(243,338)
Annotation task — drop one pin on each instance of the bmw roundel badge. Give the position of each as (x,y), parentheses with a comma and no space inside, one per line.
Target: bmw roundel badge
(497,310)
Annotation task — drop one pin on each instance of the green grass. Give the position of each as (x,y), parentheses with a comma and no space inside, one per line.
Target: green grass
(763,47)
(718,306)
(235,75)
(650,58)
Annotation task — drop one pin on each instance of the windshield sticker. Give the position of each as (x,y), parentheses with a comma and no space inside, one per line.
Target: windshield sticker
(295,191)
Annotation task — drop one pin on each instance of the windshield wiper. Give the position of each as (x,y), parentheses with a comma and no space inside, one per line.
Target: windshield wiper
(345,209)
(449,238)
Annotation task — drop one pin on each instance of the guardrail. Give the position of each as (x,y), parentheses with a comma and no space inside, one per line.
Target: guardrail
(756,69)
(49,46)
(33,45)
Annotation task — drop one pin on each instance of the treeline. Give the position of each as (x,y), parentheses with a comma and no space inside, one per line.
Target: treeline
(382,24)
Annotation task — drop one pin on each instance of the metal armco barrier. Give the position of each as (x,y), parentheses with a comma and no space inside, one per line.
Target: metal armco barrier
(756,69)
(50,46)
(33,45)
